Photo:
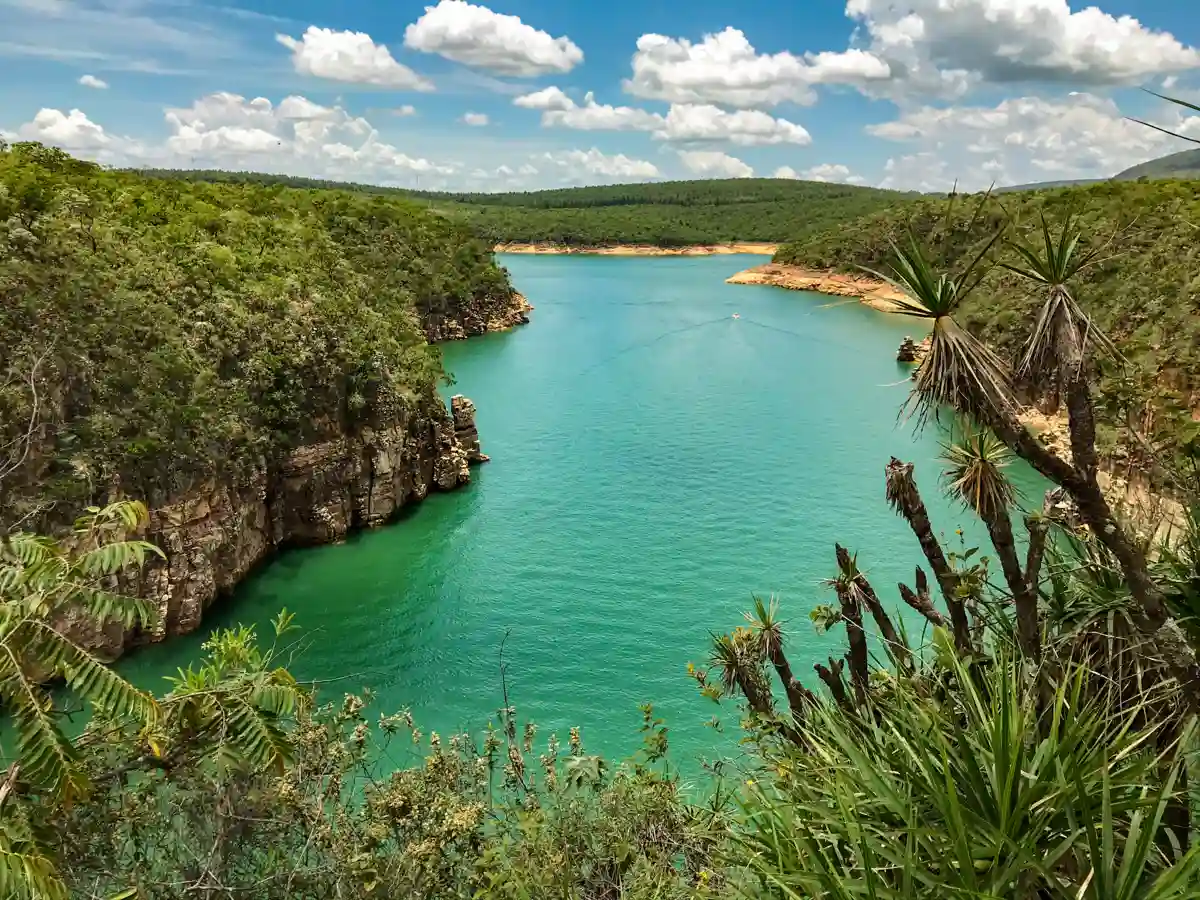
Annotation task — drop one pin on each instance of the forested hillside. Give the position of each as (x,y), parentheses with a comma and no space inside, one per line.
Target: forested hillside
(1143,286)
(156,330)
(667,214)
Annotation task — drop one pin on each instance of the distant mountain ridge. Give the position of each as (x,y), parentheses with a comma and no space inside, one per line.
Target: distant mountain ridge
(1046,185)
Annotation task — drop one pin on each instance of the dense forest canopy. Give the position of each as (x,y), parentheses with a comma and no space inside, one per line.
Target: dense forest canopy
(167,327)
(1141,287)
(669,214)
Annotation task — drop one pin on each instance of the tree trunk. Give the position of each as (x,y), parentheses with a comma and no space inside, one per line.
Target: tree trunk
(798,696)
(1093,509)
(832,677)
(1098,516)
(857,639)
(1029,635)
(922,604)
(908,501)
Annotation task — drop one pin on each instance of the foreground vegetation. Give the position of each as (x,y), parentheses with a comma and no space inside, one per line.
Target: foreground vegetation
(157,329)
(1027,731)
(666,214)
(1138,284)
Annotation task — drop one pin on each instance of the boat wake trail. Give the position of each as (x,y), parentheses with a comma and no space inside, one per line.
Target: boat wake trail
(641,345)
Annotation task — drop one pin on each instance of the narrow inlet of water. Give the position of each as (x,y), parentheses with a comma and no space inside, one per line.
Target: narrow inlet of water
(655,462)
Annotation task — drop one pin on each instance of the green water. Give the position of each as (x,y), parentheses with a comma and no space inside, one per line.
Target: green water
(654,462)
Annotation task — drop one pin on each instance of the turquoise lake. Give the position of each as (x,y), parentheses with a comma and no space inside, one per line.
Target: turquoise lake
(655,462)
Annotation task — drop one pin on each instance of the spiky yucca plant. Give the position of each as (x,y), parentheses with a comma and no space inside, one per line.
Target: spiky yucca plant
(974,475)
(960,372)
(764,622)
(974,795)
(1063,332)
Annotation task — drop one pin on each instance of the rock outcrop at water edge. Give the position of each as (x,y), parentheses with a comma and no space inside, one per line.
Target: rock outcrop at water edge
(214,534)
(876,294)
(498,311)
(462,411)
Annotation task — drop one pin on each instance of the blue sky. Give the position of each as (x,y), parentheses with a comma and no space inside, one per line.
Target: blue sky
(521,94)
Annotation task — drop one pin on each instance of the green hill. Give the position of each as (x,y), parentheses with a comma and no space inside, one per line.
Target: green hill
(1185,164)
(668,214)
(1144,288)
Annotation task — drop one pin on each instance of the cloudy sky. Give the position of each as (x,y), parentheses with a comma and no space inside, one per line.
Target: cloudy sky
(522,94)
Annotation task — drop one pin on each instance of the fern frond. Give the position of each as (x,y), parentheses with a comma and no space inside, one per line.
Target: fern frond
(262,742)
(87,676)
(26,873)
(124,514)
(47,758)
(110,558)
(30,549)
(276,699)
(105,606)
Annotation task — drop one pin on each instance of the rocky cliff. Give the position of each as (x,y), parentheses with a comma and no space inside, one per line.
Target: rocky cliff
(217,532)
(498,311)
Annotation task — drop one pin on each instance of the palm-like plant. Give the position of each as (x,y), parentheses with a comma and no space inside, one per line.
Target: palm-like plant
(1062,333)
(959,372)
(41,581)
(904,497)
(964,374)
(737,658)
(974,474)
(765,623)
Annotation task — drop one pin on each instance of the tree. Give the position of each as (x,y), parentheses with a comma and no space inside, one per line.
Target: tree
(42,581)
(962,374)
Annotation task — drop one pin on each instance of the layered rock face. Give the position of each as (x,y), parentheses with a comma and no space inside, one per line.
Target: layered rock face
(498,312)
(213,535)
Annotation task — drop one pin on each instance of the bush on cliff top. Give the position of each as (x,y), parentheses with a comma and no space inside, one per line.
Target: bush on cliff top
(1142,289)
(162,328)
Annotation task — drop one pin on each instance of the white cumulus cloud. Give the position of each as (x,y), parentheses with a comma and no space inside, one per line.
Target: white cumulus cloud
(724,68)
(714,164)
(586,165)
(831,172)
(1024,139)
(550,98)
(228,131)
(93,82)
(475,120)
(350,56)
(593,116)
(477,36)
(704,122)
(70,131)
(948,47)
(683,123)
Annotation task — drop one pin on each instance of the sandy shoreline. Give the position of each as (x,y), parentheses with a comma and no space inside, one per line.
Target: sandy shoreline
(756,248)
(875,294)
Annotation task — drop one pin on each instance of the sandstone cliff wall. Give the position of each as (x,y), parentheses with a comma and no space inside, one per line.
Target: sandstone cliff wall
(217,532)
